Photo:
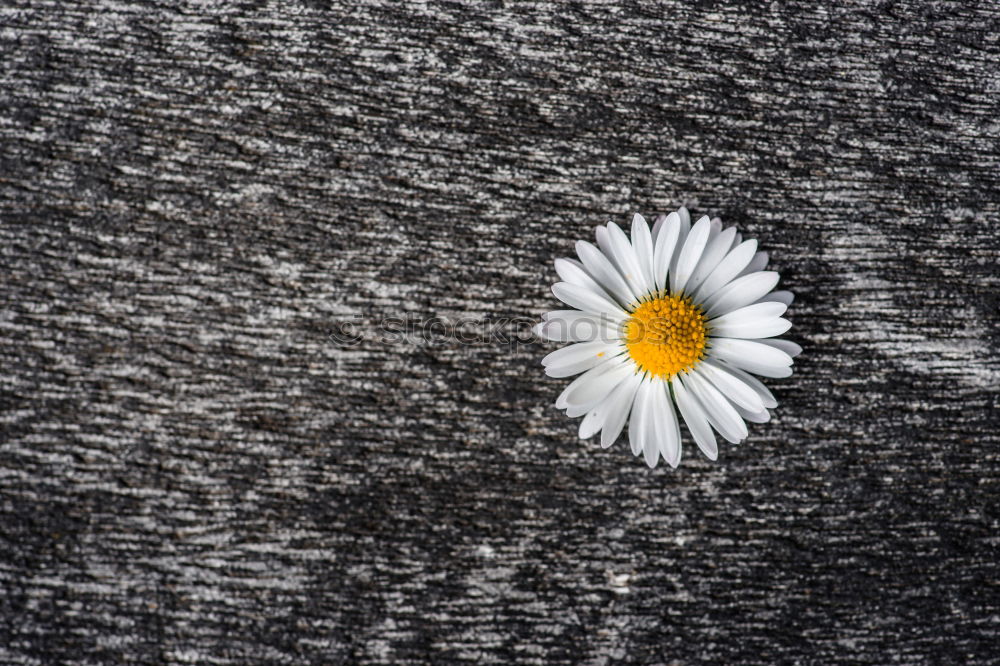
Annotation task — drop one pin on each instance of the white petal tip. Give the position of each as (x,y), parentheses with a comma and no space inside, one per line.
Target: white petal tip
(672,461)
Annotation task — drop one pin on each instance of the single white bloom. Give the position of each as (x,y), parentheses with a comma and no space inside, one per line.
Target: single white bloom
(667,327)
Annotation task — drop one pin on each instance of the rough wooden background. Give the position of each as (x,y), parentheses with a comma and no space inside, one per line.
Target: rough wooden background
(198,202)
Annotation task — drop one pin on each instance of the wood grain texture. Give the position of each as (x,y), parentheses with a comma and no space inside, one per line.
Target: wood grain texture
(198,200)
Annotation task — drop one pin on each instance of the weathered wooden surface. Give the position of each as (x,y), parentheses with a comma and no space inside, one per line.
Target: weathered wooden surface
(196,468)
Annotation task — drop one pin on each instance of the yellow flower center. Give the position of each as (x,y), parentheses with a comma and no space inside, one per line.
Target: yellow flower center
(666,335)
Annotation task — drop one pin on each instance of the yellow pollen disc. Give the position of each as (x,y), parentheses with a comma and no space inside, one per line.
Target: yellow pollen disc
(666,335)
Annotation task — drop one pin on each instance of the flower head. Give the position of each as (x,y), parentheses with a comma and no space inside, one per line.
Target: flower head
(680,315)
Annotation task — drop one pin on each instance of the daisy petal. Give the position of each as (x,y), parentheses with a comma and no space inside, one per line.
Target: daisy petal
(636,423)
(669,432)
(719,411)
(753,417)
(728,268)
(694,417)
(765,395)
(627,259)
(583,332)
(765,370)
(576,358)
(573,272)
(741,291)
(604,243)
(577,326)
(656,424)
(591,375)
(787,346)
(758,263)
(780,296)
(738,392)
(717,248)
(597,387)
(642,242)
(685,219)
(551,313)
(651,436)
(752,356)
(575,352)
(590,425)
(586,300)
(750,312)
(619,404)
(760,320)
(561,263)
(605,273)
(690,254)
(576,411)
(663,249)
(761,328)
(685,229)
(740,352)
(657,225)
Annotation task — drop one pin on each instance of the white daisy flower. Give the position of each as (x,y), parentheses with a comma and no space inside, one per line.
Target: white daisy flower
(678,316)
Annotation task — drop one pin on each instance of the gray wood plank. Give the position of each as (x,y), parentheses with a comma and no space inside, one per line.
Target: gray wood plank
(196,202)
